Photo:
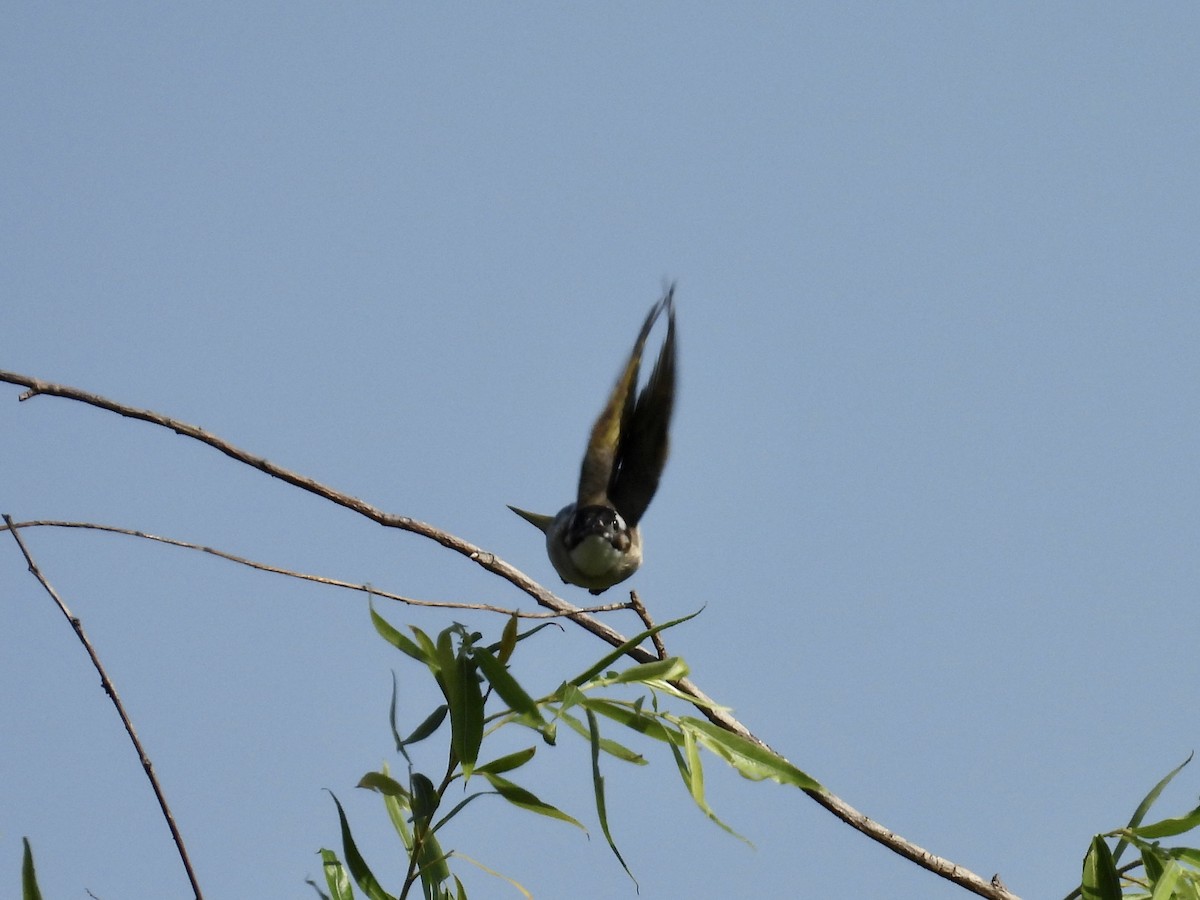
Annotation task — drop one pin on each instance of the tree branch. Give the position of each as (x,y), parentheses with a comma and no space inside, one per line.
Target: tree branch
(304,576)
(492,563)
(111,690)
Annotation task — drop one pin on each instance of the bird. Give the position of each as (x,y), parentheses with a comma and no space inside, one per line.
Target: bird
(595,542)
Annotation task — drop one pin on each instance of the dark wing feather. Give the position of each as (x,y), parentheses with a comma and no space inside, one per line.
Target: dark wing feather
(642,449)
(597,473)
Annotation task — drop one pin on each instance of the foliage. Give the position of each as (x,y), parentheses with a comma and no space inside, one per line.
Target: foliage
(29,885)
(1165,872)
(482,696)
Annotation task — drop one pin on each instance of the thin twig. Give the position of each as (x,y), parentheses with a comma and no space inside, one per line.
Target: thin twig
(492,563)
(111,690)
(636,604)
(303,576)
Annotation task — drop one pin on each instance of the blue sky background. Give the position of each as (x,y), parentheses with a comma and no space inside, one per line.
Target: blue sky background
(934,472)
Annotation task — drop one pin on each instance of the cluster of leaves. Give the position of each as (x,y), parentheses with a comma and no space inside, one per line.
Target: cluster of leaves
(1166,873)
(472,676)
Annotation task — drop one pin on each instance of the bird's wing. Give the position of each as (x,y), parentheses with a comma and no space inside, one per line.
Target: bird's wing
(642,450)
(598,471)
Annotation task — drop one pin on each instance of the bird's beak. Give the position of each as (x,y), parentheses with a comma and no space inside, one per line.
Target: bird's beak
(537,520)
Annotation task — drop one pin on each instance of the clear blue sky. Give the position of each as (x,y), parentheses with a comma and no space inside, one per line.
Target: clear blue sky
(934,475)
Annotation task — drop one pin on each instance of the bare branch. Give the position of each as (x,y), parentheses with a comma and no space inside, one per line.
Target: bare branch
(111,690)
(492,563)
(644,614)
(303,576)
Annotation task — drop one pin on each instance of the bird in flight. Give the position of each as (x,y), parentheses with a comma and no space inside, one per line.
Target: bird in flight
(595,542)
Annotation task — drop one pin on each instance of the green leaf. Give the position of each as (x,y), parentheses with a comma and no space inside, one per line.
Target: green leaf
(629,716)
(450,815)
(692,770)
(425,800)
(598,788)
(509,762)
(1189,855)
(518,796)
(395,638)
(431,724)
(29,885)
(428,651)
(382,784)
(431,863)
(609,658)
(392,718)
(397,813)
(610,747)
(358,867)
(336,878)
(673,667)
(507,687)
(517,885)
(444,651)
(750,759)
(397,810)
(1147,802)
(508,640)
(1100,878)
(1170,827)
(466,714)
(1164,884)
(1152,862)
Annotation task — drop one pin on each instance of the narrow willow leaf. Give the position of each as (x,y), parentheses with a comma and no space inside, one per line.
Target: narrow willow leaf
(1147,802)
(509,762)
(432,864)
(392,718)
(382,784)
(395,638)
(666,687)
(672,667)
(1164,884)
(1170,827)
(693,772)
(629,716)
(568,695)
(316,887)
(336,878)
(519,796)
(428,650)
(609,658)
(450,815)
(29,885)
(445,648)
(508,640)
(398,809)
(459,855)
(506,686)
(598,788)
(1100,878)
(750,759)
(424,799)
(1189,855)
(1152,862)
(431,724)
(497,646)
(466,715)
(358,867)
(610,747)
